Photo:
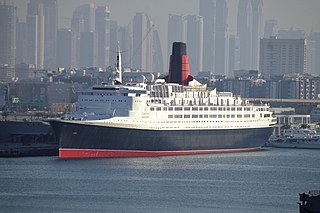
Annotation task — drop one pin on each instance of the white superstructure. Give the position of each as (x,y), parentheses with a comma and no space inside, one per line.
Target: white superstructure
(168,106)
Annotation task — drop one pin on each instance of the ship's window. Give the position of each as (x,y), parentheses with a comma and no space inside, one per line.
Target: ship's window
(194,116)
(228,116)
(213,108)
(220,108)
(165,109)
(212,116)
(200,116)
(219,116)
(205,108)
(177,116)
(233,116)
(194,108)
(200,108)
(158,108)
(233,109)
(246,116)
(253,115)
(152,109)
(186,116)
(170,108)
(170,116)
(205,116)
(239,108)
(178,108)
(187,109)
(266,115)
(247,109)
(228,108)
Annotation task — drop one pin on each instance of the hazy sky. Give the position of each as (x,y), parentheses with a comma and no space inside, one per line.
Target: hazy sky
(299,14)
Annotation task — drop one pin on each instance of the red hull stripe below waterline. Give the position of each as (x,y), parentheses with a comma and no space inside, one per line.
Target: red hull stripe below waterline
(95,153)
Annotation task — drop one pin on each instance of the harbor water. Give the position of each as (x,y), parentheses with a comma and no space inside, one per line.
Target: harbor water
(263,181)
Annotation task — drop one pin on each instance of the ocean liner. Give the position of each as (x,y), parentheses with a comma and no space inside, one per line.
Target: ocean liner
(175,115)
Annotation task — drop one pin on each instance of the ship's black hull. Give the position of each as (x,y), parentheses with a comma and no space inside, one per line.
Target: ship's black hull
(79,140)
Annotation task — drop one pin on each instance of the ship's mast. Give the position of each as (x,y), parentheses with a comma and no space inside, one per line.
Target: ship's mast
(118,77)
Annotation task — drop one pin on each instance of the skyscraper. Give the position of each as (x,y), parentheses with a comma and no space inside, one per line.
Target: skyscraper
(234,54)
(113,43)
(142,40)
(102,28)
(248,31)
(176,31)
(82,21)
(207,9)
(64,48)
(88,49)
(220,38)
(125,40)
(157,53)
(42,25)
(35,34)
(50,32)
(195,42)
(256,32)
(8,16)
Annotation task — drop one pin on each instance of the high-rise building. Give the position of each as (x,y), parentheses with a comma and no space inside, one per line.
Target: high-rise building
(125,41)
(256,32)
(234,54)
(64,48)
(142,40)
(157,53)
(215,35)
(221,38)
(248,31)
(282,56)
(194,38)
(42,25)
(102,28)
(88,49)
(270,28)
(207,9)
(50,32)
(176,31)
(82,21)
(113,43)
(8,16)
(313,53)
(21,41)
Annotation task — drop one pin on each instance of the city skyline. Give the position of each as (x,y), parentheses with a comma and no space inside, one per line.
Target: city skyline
(89,29)
(284,11)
